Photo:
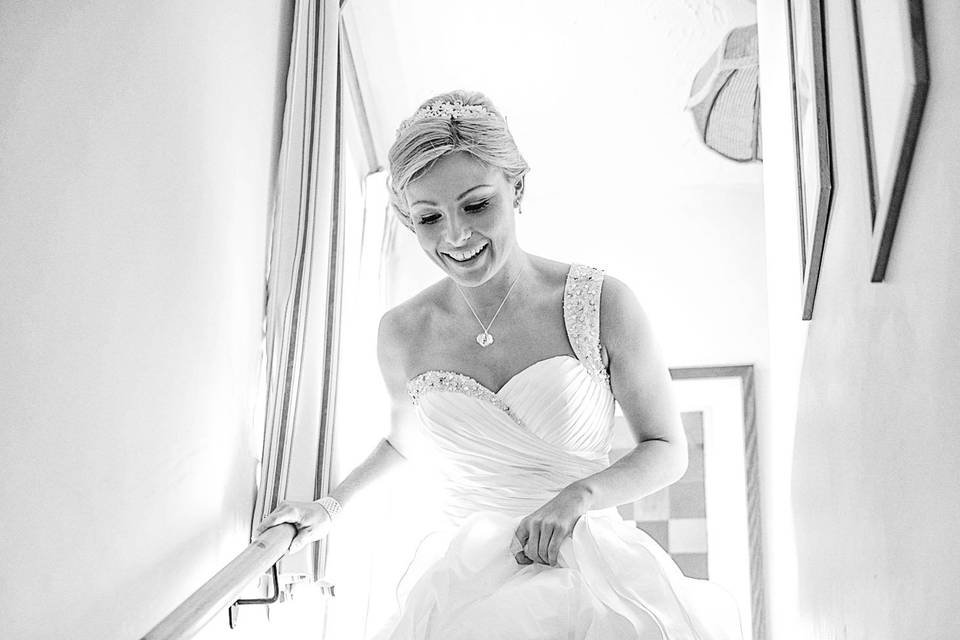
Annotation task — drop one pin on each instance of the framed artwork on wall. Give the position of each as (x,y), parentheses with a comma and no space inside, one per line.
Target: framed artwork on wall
(814,159)
(709,520)
(894,80)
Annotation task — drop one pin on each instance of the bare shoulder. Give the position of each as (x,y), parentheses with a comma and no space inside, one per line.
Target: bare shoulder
(401,330)
(624,324)
(550,274)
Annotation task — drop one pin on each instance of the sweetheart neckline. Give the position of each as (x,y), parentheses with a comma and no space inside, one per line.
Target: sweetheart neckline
(485,387)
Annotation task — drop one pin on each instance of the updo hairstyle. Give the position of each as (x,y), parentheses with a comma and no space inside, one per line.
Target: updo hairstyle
(421,142)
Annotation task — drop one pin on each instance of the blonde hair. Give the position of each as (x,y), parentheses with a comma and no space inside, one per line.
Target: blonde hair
(421,142)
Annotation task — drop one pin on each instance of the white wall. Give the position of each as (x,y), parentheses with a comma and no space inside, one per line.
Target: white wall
(137,151)
(874,485)
(786,331)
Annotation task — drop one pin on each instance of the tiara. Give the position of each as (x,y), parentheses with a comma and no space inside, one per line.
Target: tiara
(448,110)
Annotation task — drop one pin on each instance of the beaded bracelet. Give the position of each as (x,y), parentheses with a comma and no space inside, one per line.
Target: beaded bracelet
(331,506)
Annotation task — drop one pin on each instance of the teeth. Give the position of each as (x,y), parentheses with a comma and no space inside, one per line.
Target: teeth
(465,255)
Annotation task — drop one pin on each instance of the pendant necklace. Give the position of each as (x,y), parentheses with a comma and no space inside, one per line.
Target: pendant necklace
(484,339)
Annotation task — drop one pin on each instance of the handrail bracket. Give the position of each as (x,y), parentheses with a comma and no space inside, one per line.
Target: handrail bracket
(233,611)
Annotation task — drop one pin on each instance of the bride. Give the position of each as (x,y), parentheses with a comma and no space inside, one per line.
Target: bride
(504,374)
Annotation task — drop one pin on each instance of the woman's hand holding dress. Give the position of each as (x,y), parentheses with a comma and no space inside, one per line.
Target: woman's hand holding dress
(541,533)
(311,519)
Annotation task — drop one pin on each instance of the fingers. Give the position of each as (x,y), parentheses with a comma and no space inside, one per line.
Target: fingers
(553,550)
(540,542)
(546,532)
(519,540)
(551,537)
(303,538)
(529,534)
(283,513)
(532,547)
(516,547)
(310,520)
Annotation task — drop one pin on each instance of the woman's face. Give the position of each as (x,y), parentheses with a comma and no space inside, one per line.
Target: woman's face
(462,214)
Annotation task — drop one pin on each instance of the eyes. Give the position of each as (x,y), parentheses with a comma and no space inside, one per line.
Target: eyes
(473,207)
(477,206)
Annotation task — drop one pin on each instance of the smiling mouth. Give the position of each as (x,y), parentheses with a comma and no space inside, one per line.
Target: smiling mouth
(467,255)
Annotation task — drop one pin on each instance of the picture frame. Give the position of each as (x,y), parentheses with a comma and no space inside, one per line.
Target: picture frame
(894,81)
(814,157)
(709,521)
(727,396)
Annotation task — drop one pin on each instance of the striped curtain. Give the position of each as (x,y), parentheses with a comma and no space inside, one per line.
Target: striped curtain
(302,291)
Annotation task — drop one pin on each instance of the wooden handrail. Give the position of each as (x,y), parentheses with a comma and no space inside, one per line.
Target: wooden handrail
(223,589)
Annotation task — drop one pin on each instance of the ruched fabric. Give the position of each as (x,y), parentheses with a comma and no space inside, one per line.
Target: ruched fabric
(502,455)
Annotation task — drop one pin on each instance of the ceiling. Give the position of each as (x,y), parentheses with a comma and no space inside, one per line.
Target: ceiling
(592,95)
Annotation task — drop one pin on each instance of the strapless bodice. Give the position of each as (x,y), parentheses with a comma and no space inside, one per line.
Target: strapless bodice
(512,450)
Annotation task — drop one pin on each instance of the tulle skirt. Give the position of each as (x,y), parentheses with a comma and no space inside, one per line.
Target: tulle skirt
(613,581)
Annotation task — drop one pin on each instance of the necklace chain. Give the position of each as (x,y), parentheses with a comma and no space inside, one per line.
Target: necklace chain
(485,338)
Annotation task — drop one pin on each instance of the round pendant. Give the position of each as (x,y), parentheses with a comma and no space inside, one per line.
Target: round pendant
(484,339)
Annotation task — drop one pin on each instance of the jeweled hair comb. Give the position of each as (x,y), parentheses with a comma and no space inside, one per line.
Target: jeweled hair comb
(448,110)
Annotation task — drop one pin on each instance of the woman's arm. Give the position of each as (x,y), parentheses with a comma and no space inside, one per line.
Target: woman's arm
(641,384)
(382,461)
(312,520)
(390,452)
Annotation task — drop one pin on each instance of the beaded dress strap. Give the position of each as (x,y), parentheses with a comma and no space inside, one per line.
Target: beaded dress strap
(581,315)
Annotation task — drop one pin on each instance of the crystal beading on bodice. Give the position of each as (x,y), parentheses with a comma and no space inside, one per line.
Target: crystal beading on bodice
(512,450)
(453,382)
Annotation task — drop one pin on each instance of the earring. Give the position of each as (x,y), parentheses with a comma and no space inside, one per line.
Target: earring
(518,205)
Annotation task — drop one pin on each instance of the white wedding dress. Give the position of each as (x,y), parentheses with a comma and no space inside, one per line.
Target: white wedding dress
(503,455)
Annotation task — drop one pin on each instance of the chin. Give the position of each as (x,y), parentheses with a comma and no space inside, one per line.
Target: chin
(470,273)
(474,278)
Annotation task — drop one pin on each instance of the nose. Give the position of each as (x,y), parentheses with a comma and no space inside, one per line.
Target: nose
(457,231)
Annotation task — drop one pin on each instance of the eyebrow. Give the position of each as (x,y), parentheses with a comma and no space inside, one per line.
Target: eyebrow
(459,197)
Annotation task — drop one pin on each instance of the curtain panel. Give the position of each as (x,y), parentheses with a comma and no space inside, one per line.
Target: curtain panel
(302,283)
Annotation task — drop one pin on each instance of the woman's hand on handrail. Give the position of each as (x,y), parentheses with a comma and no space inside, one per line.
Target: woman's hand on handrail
(310,518)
